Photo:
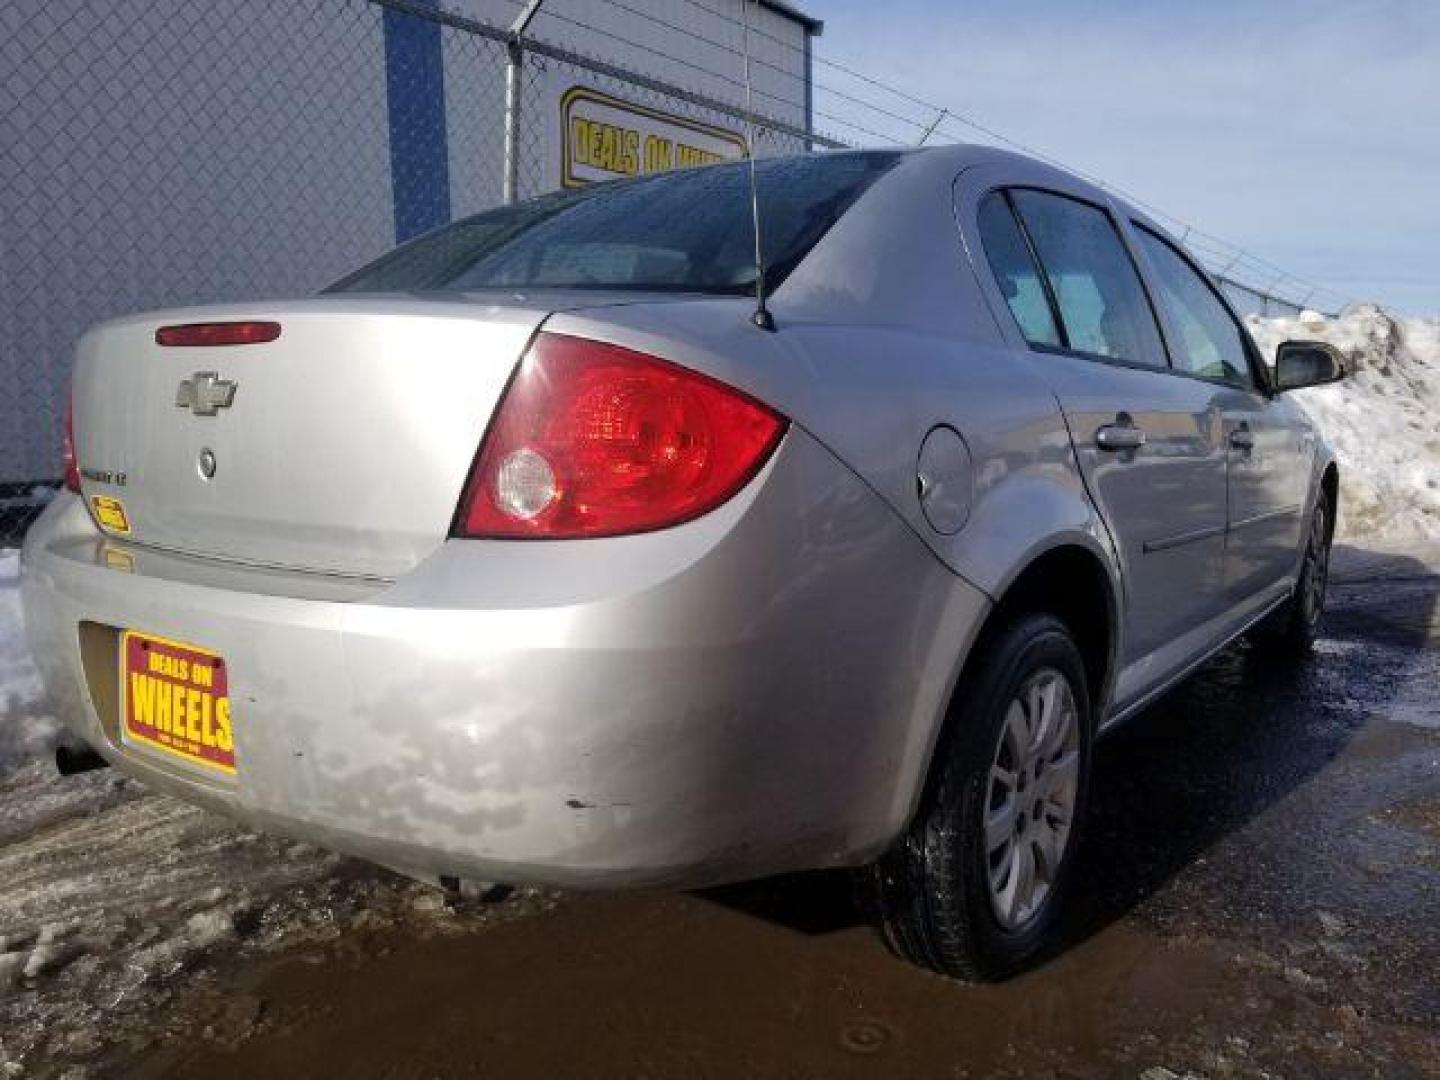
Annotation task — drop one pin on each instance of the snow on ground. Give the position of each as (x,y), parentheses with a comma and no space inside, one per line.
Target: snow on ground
(110,893)
(1383,420)
(104,888)
(26,730)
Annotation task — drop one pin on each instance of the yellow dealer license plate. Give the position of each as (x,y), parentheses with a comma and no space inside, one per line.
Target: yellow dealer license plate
(176,698)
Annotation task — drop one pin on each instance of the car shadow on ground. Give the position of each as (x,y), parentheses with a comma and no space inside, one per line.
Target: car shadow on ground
(1246,730)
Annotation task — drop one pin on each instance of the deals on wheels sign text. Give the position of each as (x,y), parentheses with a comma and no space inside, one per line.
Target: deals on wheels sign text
(603,138)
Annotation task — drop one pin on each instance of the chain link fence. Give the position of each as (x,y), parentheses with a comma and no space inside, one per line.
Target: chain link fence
(159,153)
(1250,300)
(170,152)
(167,153)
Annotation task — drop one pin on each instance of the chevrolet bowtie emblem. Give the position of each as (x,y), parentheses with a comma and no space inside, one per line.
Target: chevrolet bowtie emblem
(205,393)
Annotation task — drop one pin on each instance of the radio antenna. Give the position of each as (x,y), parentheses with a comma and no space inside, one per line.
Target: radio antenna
(762,317)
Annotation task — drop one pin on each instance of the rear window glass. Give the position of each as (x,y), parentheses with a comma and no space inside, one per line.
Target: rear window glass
(686,231)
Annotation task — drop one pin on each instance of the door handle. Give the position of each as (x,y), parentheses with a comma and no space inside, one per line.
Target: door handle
(1116,438)
(1242,438)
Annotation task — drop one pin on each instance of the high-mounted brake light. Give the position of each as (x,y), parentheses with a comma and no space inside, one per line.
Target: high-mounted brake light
(218,333)
(596,440)
(72,467)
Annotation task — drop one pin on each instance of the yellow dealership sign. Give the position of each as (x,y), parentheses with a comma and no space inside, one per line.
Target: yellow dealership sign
(604,138)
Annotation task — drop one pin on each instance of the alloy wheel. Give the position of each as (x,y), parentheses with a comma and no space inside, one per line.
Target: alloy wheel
(1030,801)
(1317,569)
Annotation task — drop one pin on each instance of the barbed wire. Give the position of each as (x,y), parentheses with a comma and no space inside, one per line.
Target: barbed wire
(799,105)
(782,71)
(1223,255)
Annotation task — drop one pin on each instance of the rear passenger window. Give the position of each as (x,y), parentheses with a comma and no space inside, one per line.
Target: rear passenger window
(1103,307)
(1211,344)
(1016,272)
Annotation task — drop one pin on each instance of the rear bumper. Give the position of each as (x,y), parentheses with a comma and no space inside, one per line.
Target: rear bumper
(753,692)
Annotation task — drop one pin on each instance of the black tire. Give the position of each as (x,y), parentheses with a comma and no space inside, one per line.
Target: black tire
(1291,628)
(931,892)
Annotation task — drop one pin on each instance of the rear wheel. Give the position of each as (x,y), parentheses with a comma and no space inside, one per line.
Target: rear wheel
(974,887)
(1292,627)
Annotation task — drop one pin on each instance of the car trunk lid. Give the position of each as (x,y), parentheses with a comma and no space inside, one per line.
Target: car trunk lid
(341,446)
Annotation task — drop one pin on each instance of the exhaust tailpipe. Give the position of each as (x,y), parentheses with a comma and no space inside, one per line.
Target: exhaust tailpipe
(70,762)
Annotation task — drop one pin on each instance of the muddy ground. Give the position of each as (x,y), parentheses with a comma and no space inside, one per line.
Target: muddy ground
(1261,898)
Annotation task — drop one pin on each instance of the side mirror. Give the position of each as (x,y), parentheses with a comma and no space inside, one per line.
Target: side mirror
(1307,363)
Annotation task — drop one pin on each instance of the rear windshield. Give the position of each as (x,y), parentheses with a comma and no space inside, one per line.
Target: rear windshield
(686,231)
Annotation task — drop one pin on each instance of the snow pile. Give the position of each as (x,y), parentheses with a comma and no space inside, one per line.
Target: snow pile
(25,730)
(1383,421)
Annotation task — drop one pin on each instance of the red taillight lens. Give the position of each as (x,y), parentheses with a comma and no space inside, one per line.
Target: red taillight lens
(595,440)
(218,333)
(72,467)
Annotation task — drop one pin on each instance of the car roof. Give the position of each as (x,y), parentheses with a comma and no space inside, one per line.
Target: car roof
(957,156)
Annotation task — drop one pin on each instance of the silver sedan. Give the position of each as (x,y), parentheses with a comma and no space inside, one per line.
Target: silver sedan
(534,552)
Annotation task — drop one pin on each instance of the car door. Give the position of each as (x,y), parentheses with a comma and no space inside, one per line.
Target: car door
(1150,445)
(1269,446)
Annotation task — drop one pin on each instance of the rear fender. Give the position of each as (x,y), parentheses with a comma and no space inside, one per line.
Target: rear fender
(870,394)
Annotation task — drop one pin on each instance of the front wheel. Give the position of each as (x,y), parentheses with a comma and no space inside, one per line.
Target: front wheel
(1292,627)
(974,887)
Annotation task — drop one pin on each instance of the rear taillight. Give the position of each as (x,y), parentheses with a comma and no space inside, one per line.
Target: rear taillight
(218,333)
(595,440)
(72,467)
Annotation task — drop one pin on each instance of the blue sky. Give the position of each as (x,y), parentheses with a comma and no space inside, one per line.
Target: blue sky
(1306,132)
